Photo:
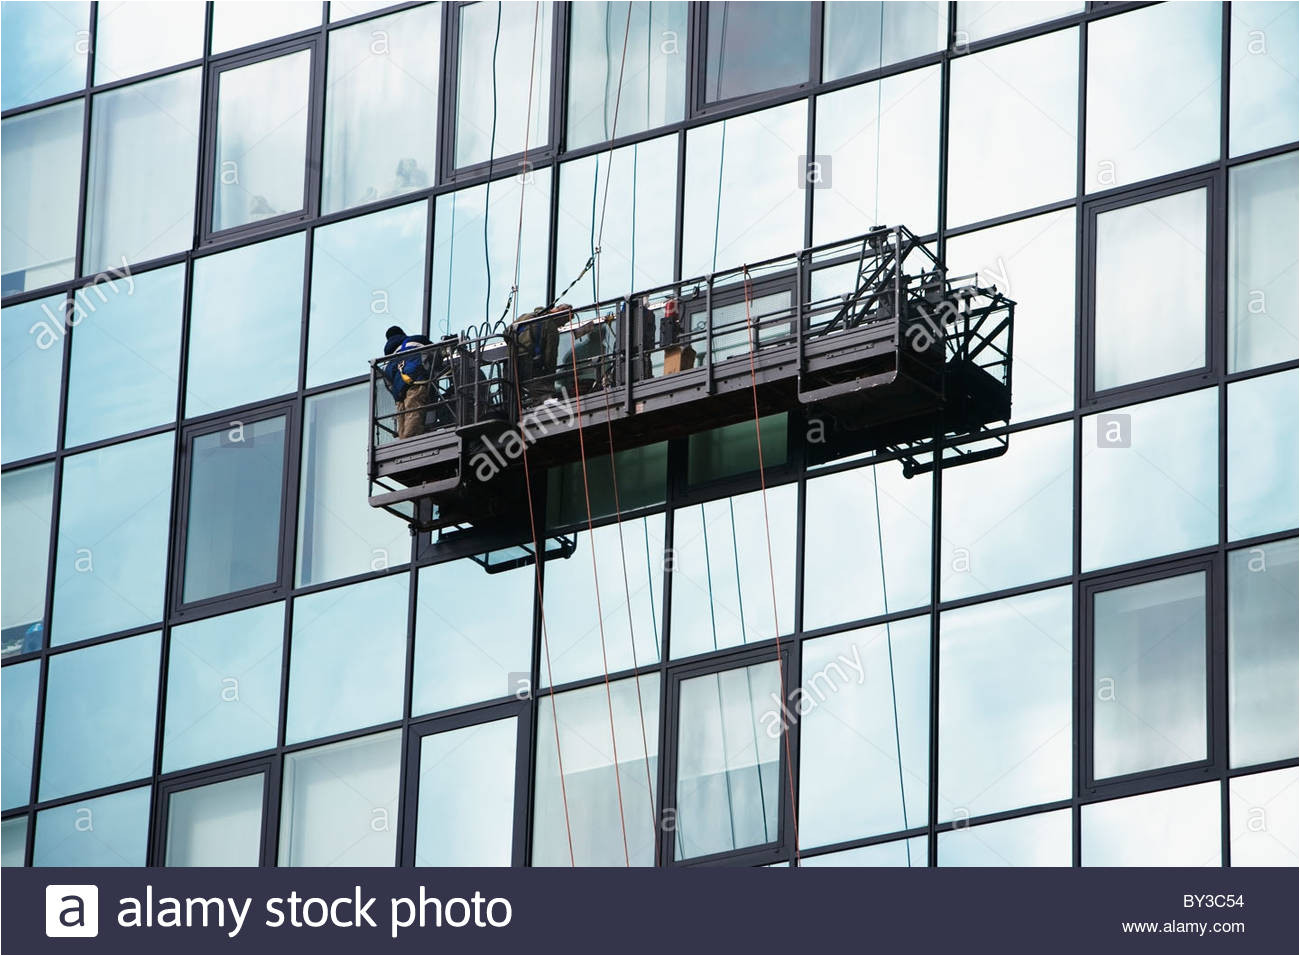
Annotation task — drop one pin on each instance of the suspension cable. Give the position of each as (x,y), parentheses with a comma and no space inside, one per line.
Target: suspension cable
(487,189)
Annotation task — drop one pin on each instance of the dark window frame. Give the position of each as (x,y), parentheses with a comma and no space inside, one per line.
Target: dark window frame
(698,101)
(268,766)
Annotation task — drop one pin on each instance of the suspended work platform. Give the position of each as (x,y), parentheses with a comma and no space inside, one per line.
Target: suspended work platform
(868,338)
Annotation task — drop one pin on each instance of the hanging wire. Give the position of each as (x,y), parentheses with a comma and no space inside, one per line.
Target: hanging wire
(487,191)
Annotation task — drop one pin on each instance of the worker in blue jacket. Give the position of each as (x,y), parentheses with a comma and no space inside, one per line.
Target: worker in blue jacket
(408,379)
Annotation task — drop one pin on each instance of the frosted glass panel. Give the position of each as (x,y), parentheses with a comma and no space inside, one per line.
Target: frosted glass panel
(216,825)
(1167,828)
(1262,817)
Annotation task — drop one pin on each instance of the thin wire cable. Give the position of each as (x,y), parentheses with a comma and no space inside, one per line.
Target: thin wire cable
(889,645)
(487,190)
(525,172)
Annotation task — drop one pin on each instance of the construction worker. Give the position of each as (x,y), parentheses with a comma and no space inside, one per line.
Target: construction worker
(408,379)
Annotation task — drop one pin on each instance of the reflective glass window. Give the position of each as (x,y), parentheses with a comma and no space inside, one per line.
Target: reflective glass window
(467,796)
(43,51)
(1023,153)
(219,824)
(722,582)
(113,528)
(733,449)
(1005,676)
(883,142)
(362,626)
(339,534)
(1262,654)
(910,852)
(40,155)
(125,355)
(245,324)
(1031,261)
(473,635)
(503,52)
(232,539)
(340,10)
(31,337)
(18,699)
(13,841)
(743,203)
(261,140)
(140,37)
(583,644)
(1262,262)
(366,274)
(1149,663)
(100,710)
(223,687)
(1167,828)
(991,508)
(1145,329)
(588,737)
(865,699)
(1263,486)
(864,36)
(144,144)
(1265,57)
(467,290)
(843,579)
(1172,54)
(1262,818)
(752,47)
(381,108)
(729,740)
(339,803)
(636,244)
(237,25)
(982,20)
(105,831)
(26,501)
(1042,839)
(653,69)
(642,481)
(1150,479)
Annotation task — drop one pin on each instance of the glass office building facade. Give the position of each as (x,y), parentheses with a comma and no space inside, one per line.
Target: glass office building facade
(1083,652)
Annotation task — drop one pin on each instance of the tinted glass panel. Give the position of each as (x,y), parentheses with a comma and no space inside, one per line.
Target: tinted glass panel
(729,739)
(1265,61)
(1146,329)
(28,497)
(216,825)
(100,711)
(339,534)
(467,796)
(144,143)
(733,449)
(245,325)
(515,45)
(381,108)
(106,831)
(865,36)
(1262,453)
(339,804)
(40,155)
(126,355)
(1174,124)
(1150,479)
(261,140)
(32,342)
(112,560)
(1043,839)
(18,699)
(588,737)
(134,38)
(1149,650)
(755,46)
(223,687)
(232,541)
(866,704)
(1262,625)
(1262,262)
(363,625)
(844,542)
(1167,828)
(1005,674)
(1023,153)
(473,635)
(722,582)
(40,52)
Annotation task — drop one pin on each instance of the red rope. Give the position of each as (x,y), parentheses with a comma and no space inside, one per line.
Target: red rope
(771,568)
